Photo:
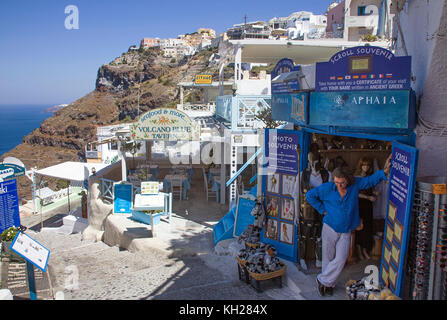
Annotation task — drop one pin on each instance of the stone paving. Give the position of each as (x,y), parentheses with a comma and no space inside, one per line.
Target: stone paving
(190,270)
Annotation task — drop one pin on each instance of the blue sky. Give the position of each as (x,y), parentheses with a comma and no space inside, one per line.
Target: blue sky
(42,62)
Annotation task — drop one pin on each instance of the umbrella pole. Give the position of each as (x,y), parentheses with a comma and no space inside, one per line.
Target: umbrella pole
(68,194)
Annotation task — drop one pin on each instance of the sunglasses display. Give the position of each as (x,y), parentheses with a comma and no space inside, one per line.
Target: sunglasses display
(427,252)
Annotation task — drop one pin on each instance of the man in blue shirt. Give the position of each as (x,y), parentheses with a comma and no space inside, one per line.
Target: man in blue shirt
(338,202)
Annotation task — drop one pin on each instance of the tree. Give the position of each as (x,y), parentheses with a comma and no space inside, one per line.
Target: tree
(132,147)
(265,115)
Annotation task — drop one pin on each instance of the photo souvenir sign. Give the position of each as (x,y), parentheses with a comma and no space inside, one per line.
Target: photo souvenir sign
(279,183)
(402,179)
(363,68)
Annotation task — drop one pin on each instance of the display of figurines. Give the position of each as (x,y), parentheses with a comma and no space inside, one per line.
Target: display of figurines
(261,260)
(251,235)
(365,289)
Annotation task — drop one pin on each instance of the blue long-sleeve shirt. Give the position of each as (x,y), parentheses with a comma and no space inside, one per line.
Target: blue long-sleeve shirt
(342,215)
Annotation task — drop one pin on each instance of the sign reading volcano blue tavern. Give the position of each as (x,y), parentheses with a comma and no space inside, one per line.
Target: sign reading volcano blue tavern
(363,68)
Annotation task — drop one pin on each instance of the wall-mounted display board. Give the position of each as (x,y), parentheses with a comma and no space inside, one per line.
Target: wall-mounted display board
(402,180)
(363,68)
(280,180)
(291,107)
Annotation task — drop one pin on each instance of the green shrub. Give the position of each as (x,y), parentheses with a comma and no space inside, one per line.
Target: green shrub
(9,234)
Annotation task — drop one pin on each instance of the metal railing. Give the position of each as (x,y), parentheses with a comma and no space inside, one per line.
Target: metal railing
(107,189)
(241,111)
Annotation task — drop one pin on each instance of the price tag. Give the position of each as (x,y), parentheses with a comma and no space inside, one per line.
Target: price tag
(387,255)
(393,276)
(398,232)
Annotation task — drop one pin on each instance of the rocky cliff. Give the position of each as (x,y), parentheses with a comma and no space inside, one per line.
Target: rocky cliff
(63,136)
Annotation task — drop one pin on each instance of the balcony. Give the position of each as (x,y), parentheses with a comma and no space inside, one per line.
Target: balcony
(240,111)
(194,110)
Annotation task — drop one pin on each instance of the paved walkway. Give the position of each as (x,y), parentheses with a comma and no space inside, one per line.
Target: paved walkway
(188,267)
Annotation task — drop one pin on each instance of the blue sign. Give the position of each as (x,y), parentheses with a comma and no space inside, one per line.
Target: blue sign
(290,107)
(363,68)
(122,198)
(280,191)
(10,171)
(9,205)
(378,109)
(243,215)
(283,78)
(402,179)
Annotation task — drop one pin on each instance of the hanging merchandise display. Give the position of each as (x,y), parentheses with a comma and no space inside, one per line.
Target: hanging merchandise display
(310,221)
(426,263)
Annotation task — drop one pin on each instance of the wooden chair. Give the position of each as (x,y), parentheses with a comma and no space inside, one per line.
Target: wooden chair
(209,193)
(177,187)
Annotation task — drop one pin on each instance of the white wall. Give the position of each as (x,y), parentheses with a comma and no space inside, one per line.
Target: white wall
(423,32)
(254,87)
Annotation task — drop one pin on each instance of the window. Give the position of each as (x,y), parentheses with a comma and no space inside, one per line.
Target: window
(113,146)
(361,10)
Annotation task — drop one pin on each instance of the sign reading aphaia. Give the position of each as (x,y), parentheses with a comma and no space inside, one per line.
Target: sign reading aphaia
(165,124)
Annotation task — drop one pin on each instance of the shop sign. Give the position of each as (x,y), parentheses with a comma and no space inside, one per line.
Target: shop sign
(278,184)
(363,68)
(166,125)
(284,67)
(203,79)
(379,109)
(290,107)
(402,179)
(10,171)
(9,205)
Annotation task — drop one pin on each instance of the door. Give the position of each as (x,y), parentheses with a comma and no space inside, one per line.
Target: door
(402,180)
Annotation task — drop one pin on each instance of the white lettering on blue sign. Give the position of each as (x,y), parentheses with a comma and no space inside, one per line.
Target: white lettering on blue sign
(6,173)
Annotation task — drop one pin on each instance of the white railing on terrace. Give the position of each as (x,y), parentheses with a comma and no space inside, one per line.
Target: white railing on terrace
(198,109)
(241,111)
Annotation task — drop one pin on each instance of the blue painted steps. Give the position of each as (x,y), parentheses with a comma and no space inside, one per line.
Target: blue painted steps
(224,228)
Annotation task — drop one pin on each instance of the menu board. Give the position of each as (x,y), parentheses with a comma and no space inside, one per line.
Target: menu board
(122,198)
(397,227)
(31,250)
(150,187)
(9,205)
(280,190)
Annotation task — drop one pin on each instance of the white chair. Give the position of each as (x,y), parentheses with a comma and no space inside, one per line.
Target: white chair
(177,187)
(209,193)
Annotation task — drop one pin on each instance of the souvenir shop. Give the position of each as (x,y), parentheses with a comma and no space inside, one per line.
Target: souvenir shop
(360,111)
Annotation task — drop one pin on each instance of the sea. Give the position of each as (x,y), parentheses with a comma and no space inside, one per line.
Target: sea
(17,121)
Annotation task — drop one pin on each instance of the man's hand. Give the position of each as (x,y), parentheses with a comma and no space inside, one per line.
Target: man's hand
(387,165)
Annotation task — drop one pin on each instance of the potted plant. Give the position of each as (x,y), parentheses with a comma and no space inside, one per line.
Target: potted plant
(7,237)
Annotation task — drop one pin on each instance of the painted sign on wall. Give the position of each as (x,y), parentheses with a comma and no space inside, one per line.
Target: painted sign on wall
(9,205)
(402,180)
(363,68)
(379,109)
(290,107)
(165,124)
(203,79)
(279,187)
(281,83)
